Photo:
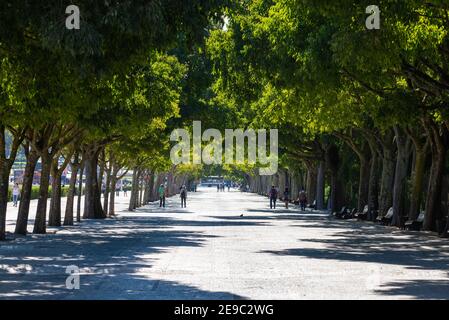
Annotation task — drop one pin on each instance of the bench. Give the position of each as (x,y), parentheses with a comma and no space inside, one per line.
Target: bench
(350,213)
(362,215)
(313,205)
(385,220)
(416,224)
(340,214)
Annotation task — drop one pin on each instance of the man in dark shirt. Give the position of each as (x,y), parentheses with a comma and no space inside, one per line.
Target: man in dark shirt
(273,197)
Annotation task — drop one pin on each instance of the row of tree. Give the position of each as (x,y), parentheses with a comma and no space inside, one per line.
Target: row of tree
(363,112)
(102,98)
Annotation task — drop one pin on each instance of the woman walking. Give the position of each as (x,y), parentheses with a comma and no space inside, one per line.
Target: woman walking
(15,194)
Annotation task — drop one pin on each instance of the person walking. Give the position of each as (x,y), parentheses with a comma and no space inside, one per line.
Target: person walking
(15,194)
(286,197)
(183,194)
(302,200)
(161,192)
(273,197)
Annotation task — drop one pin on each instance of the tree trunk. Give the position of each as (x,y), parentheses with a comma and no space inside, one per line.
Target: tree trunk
(107,189)
(363,153)
(133,198)
(373,185)
(25,197)
(101,166)
(146,190)
(41,211)
(80,194)
(320,186)
(138,188)
(6,162)
(438,142)
(68,217)
(141,185)
(155,186)
(433,201)
(55,203)
(373,190)
(311,186)
(92,200)
(295,178)
(364,178)
(4,185)
(112,197)
(333,163)
(54,218)
(444,218)
(387,179)
(400,177)
(158,183)
(417,182)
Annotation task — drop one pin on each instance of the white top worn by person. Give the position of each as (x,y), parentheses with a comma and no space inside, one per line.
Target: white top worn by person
(15,190)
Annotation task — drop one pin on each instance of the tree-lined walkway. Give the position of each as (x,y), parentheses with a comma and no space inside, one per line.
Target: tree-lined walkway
(210,251)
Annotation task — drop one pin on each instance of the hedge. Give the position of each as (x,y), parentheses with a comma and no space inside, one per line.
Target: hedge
(64,191)
(35,192)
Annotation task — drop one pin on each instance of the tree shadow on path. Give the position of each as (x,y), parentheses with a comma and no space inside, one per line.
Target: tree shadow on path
(115,258)
(368,243)
(418,289)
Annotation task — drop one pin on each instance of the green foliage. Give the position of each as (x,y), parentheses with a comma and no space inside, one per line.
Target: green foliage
(311,68)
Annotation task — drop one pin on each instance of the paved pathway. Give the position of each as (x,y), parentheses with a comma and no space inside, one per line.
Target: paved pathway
(210,251)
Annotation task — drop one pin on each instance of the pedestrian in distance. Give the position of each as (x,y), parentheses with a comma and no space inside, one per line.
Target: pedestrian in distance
(161,192)
(15,194)
(302,200)
(273,197)
(286,197)
(183,193)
